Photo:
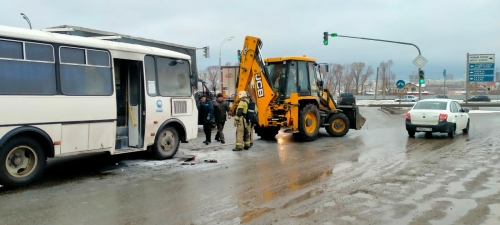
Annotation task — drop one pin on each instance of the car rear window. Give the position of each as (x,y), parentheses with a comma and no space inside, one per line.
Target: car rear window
(346,95)
(435,105)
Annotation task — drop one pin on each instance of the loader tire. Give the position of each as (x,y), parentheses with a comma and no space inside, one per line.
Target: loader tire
(338,125)
(308,123)
(267,133)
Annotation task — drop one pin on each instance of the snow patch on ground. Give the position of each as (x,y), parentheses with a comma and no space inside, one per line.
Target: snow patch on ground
(391,101)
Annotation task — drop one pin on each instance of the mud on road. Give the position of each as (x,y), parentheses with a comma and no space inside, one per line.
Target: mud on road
(373,176)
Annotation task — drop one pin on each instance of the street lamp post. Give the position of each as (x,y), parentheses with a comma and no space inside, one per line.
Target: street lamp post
(26,18)
(220,70)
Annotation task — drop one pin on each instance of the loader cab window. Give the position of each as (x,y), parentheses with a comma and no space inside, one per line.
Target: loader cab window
(277,73)
(291,81)
(313,78)
(302,78)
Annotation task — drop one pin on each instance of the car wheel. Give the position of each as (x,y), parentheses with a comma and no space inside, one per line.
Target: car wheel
(413,100)
(411,133)
(451,133)
(466,130)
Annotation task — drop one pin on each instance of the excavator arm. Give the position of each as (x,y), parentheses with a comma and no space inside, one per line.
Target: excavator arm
(254,78)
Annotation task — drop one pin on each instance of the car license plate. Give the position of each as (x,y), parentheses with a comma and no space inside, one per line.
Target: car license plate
(424,129)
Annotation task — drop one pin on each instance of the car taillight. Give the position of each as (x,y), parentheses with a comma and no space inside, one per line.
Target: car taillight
(443,117)
(408,117)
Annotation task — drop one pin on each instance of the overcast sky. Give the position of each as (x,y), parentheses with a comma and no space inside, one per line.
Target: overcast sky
(444,30)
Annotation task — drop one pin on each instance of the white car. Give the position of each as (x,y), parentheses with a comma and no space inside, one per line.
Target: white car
(407,98)
(437,115)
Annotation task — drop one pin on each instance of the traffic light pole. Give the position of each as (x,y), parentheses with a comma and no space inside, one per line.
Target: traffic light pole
(394,42)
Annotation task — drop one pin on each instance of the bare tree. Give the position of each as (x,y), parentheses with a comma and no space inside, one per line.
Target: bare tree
(364,77)
(213,77)
(347,75)
(337,73)
(228,64)
(356,72)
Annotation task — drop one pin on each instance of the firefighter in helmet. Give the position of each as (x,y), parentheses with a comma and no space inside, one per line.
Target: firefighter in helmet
(240,122)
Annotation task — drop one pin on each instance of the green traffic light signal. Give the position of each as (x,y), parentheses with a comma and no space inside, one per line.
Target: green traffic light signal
(422,81)
(325,42)
(333,35)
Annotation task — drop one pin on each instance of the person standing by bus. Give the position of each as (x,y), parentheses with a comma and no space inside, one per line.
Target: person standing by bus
(221,109)
(206,117)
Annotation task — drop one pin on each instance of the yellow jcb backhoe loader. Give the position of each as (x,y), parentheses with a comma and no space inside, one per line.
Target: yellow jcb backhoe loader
(288,94)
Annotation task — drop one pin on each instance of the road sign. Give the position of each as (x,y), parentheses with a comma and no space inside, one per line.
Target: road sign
(400,84)
(481,78)
(401,91)
(420,61)
(481,58)
(481,67)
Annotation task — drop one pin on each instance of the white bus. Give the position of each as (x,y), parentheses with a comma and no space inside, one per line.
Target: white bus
(63,95)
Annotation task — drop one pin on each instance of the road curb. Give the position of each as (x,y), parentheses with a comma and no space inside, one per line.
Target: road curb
(390,110)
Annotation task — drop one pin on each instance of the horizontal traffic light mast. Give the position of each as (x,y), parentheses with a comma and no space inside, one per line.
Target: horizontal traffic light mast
(420,72)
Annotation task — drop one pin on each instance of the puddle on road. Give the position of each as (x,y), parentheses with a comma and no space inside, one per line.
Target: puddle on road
(494,215)
(250,215)
(493,188)
(419,194)
(348,218)
(303,197)
(458,186)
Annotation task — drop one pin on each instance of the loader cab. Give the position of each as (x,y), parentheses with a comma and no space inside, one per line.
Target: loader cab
(294,74)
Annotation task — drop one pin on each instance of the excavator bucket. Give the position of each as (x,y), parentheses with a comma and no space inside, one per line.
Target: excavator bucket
(355,118)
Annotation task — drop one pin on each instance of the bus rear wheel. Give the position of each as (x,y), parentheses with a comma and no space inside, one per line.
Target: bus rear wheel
(166,144)
(22,161)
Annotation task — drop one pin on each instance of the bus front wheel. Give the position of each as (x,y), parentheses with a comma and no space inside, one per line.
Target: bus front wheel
(22,161)
(167,143)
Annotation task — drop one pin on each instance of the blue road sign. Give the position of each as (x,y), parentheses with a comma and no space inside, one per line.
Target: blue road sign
(482,78)
(482,66)
(400,84)
(481,72)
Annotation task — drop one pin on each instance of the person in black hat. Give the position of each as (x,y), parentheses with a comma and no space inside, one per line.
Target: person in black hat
(206,117)
(221,109)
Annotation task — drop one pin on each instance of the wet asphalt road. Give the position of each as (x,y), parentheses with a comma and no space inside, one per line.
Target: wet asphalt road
(373,176)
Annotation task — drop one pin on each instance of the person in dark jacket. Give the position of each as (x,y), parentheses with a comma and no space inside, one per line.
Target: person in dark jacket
(221,109)
(206,117)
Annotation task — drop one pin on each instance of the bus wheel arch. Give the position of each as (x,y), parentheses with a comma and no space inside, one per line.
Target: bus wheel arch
(22,157)
(36,134)
(168,138)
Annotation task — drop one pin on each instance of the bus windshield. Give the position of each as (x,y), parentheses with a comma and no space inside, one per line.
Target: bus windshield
(173,77)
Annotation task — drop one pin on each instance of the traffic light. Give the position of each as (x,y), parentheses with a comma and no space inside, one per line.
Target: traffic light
(333,35)
(239,55)
(421,77)
(325,38)
(206,52)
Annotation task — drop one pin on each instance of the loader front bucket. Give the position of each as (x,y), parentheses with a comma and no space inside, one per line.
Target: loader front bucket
(360,120)
(356,120)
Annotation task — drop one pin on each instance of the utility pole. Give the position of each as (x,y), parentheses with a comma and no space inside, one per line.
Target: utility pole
(376,85)
(467,79)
